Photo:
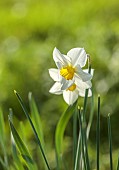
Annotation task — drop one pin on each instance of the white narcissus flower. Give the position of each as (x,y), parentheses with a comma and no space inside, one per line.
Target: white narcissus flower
(69,67)
(71,94)
(70,79)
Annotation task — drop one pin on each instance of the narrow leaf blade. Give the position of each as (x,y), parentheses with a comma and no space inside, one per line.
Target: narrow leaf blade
(36,118)
(17,161)
(61,126)
(110,142)
(33,128)
(22,148)
(98,134)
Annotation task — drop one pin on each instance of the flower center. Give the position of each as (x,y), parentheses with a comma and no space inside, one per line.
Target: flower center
(72,88)
(67,72)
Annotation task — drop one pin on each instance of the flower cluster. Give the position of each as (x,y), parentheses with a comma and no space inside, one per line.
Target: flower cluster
(70,79)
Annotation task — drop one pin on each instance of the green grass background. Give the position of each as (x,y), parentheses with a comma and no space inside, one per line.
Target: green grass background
(29,31)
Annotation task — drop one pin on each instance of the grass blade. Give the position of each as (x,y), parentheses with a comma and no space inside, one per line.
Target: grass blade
(98,134)
(74,135)
(2,128)
(3,164)
(78,152)
(37,123)
(3,138)
(17,161)
(36,118)
(82,141)
(84,126)
(22,148)
(85,140)
(118,164)
(91,116)
(60,132)
(110,141)
(33,128)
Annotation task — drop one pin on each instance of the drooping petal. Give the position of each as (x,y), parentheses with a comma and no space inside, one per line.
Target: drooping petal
(59,58)
(54,74)
(86,71)
(82,92)
(70,96)
(66,83)
(79,73)
(56,88)
(78,56)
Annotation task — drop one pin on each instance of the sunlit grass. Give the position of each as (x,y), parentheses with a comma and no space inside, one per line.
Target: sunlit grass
(81,158)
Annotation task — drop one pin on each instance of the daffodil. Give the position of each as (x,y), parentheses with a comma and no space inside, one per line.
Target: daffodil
(70,79)
(71,94)
(69,67)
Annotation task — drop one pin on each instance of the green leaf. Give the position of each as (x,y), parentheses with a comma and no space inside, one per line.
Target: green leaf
(33,128)
(118,164)
(2,128)
(61,126)
(17,161)
(84,127)
(78,151)
(75,137)
(110,142)
(3,138)
(3,164)
(37,122)
(98,134)
(82,140)
(36,118)
(21,146)
(85,140)
(90,116)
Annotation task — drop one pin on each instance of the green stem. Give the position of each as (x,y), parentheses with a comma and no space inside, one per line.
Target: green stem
(74,135)
(78,153)
(98,134)
(110,141)
(118,164)
(82,141)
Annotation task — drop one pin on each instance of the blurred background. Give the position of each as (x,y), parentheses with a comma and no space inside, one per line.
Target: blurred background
(29,31)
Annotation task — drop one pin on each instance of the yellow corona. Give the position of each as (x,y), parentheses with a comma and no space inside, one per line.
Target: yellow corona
(67,72)
(72,88)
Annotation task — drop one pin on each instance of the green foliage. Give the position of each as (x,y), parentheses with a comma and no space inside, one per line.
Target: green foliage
(82,158)
(3,141)
(22,148)
(98,134)
(61,126)
(33,128)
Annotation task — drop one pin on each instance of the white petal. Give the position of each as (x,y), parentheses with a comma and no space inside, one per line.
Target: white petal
(81,74)
(59,65)
(70,96)
(83,85)
(54,74)
(56,88)
(66,83)
(59,58)
(67,59)
(82,93)
(78,56)
(86,71)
